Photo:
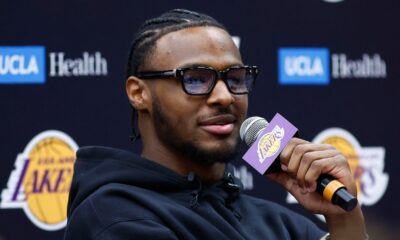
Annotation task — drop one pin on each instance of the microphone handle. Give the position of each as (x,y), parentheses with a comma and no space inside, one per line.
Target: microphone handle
(335,192)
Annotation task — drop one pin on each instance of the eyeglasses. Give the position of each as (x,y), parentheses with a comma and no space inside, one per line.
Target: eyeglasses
(202,80)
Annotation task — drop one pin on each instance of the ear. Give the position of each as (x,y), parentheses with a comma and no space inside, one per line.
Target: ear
(138,93)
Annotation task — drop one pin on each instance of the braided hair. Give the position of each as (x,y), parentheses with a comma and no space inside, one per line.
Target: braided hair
(153,29)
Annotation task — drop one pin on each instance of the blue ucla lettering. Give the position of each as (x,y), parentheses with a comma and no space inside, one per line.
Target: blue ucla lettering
(303,66)
(18,65)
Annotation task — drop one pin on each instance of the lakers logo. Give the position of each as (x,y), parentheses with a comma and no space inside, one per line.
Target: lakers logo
(366,163)
(270,143)
(348,150)
(41,180)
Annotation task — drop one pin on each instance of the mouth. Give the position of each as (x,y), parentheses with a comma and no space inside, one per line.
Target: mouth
(219,125)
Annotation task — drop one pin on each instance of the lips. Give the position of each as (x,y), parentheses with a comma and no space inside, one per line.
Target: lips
(219,125)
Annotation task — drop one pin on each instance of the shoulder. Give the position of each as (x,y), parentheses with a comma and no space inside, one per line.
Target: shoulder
(111,207)
(118,201)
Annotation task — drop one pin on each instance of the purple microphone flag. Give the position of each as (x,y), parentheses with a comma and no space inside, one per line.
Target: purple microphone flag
(270,143)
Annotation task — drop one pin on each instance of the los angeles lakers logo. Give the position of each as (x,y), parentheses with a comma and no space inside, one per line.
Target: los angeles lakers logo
(366,163)
(270,143)
(41,180)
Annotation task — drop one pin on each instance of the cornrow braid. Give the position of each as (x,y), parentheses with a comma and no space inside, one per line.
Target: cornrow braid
(152,30)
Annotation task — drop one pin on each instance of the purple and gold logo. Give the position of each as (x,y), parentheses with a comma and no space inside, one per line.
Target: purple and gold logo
(41,180)
(366,163)
(270,143)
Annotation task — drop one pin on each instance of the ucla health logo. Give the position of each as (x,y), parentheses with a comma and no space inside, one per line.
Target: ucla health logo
(41,180)
(22,65)
(303,66)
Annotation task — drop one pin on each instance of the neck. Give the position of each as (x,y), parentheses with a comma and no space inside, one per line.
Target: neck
(183,166)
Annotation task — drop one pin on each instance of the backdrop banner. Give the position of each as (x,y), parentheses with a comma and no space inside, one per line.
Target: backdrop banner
(329,67)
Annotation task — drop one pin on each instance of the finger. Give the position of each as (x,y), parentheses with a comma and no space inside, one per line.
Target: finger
(298,153)
(288,150)
(309,157)
(335,166)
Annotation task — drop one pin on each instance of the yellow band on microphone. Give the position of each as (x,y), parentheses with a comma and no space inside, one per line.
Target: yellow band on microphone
(331,188)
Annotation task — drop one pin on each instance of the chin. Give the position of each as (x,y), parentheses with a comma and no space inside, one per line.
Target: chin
(215,152)
(219,144)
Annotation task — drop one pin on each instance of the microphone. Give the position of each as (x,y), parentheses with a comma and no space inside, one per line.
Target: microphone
(331,189)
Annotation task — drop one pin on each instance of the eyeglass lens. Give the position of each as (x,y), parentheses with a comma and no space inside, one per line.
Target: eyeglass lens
(200,81)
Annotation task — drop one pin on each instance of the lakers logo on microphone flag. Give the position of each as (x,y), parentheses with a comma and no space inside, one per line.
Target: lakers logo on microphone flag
(270,143)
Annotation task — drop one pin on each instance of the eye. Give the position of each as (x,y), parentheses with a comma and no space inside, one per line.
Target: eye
(194,80)
(235,80)
(236,77)
(197,76)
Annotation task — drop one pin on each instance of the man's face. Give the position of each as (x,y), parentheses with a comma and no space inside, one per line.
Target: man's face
(202,128)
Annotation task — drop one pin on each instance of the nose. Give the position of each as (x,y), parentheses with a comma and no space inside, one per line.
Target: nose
(220,95)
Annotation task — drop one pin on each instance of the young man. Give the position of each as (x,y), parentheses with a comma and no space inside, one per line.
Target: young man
(189,87)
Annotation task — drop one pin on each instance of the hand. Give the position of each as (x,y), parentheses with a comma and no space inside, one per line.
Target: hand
(303,162)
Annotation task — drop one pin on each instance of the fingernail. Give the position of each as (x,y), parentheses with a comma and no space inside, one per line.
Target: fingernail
(284,167)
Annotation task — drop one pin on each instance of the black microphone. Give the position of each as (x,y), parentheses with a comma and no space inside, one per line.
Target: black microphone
(331,189)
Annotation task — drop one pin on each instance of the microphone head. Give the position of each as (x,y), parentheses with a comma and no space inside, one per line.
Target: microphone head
(251,128)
